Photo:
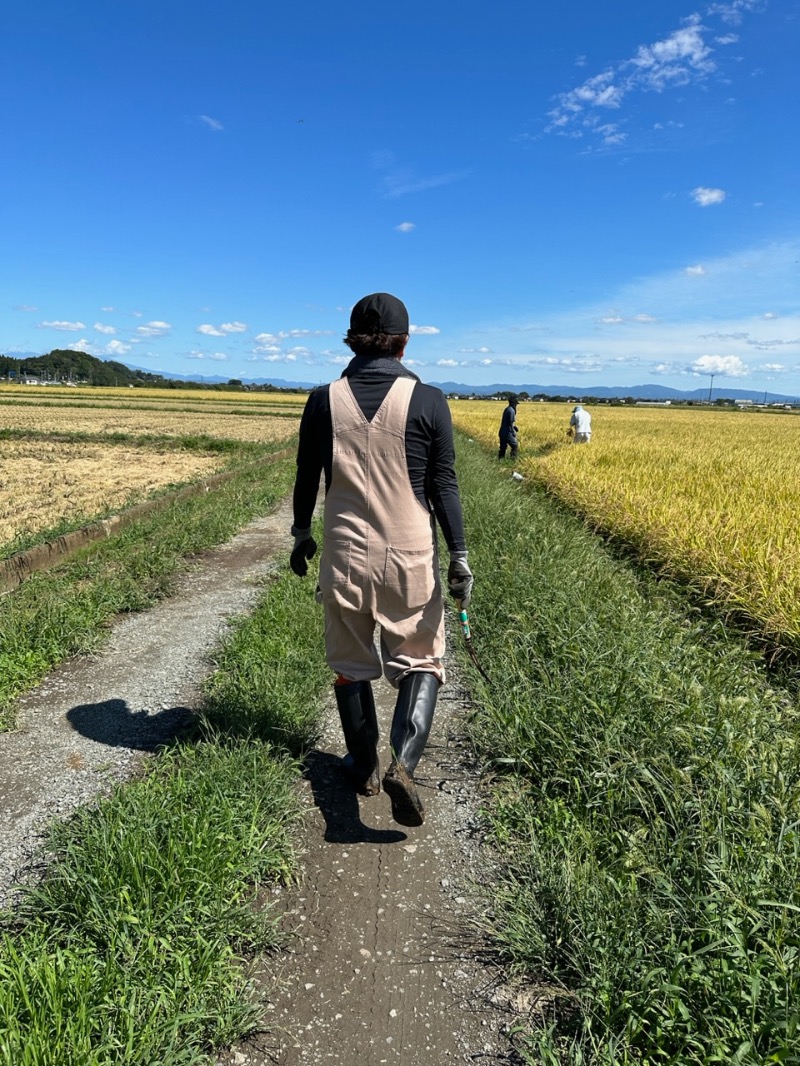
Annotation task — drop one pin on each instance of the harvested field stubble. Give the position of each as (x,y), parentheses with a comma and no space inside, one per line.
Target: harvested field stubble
(136,421)
(46,482)
(711,496)
(136,395)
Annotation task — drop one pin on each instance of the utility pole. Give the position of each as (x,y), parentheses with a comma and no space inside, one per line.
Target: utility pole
(710,387)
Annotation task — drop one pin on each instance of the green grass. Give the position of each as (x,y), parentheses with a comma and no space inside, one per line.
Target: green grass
(62,612)
(129,951)
(647,801)
(268,681)
(133,949)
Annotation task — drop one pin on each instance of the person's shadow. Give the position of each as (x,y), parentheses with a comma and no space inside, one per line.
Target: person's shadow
(338,803)
(113,723)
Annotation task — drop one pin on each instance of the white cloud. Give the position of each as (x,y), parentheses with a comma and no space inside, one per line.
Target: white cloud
(727,38)
(117,348)
(696,271)
(107,310)
(406,227)
(209,331)
(483,350)
(423,330)
(447,362)
(732,12)
(720,314)
(267,349)
(773,368)
(399,180)
(683,57)
(676,59)
(728,365)
(82,345)
(154,329)
(644,318)
(705,197)
(104,329)
(768,314)
(218,357)
(25,307)
(290,334)
(212,123)
(233,327)
(612,320)
(70,327)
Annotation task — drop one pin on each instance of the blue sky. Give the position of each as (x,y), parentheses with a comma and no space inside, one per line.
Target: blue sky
(586,194)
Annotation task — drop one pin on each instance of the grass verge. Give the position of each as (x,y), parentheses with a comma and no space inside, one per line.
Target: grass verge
(65,611)
(131,950)
(647,799)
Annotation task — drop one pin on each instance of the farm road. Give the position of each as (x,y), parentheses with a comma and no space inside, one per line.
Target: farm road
(381,964)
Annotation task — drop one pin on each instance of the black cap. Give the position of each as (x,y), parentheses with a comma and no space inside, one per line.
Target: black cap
(379,313)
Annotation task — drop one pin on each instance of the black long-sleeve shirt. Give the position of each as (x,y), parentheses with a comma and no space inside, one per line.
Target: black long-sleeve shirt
(430,454)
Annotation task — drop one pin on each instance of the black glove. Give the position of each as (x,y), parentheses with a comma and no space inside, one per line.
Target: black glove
(305,548)
(459,578)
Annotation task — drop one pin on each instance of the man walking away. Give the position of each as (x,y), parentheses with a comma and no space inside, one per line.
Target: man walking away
(581,425)
(508,429)
(385,443)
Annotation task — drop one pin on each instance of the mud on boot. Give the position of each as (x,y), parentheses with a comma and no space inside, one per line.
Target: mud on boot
(411,724)
(365,782)
(400,787)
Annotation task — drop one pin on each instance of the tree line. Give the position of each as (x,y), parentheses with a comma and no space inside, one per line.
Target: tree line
(66,365)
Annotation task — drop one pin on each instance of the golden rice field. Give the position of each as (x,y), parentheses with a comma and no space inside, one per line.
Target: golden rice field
(173,413)
(43,483)
(712,496)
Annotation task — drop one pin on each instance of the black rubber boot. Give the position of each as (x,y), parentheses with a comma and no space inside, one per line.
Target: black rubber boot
(411,724)
(360,727)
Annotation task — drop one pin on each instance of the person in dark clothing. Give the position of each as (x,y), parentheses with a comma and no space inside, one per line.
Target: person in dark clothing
(508,430)
(384,442)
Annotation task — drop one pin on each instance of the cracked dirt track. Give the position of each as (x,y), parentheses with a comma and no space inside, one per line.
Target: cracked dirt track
(382,962)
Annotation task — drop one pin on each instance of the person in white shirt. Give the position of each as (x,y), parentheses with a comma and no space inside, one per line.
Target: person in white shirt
(581,425)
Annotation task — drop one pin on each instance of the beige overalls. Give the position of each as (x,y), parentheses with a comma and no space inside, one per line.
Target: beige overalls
(379,563)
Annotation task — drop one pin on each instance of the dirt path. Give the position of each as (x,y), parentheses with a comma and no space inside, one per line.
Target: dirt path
(384,965)
(381,960)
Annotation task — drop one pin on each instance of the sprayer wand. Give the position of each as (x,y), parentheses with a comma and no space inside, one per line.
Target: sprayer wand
(463,618)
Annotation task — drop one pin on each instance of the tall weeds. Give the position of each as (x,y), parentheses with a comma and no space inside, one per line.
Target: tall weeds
(648,801)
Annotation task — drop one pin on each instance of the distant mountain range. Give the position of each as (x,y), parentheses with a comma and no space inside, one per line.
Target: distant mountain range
(602,392)
(79,366)
(598,392)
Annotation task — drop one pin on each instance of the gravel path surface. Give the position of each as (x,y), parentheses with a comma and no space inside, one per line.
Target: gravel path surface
(383,961)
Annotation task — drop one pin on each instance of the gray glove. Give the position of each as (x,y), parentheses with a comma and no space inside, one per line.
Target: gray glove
(305,548)
(459,578)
